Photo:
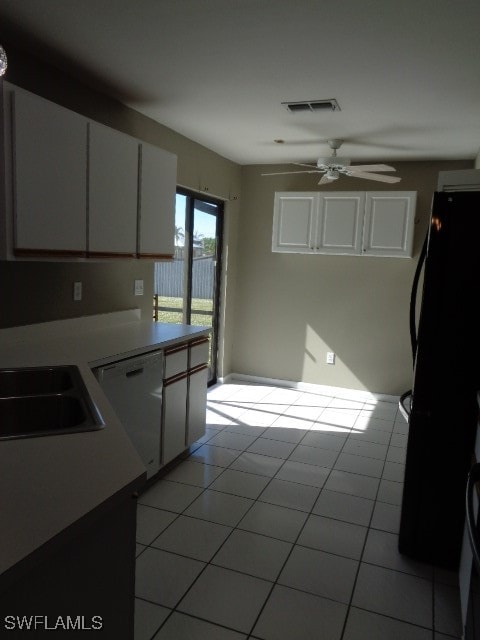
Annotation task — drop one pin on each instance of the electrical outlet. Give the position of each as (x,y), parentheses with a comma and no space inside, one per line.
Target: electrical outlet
(77,291)
(330,357)
(138,288)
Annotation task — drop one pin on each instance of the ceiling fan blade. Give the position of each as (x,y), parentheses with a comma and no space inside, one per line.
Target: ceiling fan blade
(370,167)
(284,173)
(375,176)
(302,164)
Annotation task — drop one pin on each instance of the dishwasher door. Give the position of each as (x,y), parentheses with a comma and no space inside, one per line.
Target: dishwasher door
(134,389)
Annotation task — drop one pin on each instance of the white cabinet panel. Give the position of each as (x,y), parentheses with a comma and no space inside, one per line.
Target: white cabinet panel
(344,223)
(197,403)
(113,192)
(158,180)
(176,360)
(341,223)
(50,182)
(72,188)
(174,419)
(295,219)
(389,221)
(199,352)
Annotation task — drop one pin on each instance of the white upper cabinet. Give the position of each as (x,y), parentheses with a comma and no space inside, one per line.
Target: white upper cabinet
(158,179)
(73,188)
(294,222)
(48,176)
(112,192)
(340,222)
(344,223)
(389,221)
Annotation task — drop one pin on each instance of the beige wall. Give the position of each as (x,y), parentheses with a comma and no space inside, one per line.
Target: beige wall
(291,309)
(280,313)
(38,292)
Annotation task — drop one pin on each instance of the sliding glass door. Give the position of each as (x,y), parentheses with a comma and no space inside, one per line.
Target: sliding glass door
(187,289)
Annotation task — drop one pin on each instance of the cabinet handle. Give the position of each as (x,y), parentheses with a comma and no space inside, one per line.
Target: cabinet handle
(135,372)
(176,349)
(176,378)
(195,343)
(200,367)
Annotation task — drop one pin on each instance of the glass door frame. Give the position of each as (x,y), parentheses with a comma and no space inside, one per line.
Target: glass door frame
(192,198)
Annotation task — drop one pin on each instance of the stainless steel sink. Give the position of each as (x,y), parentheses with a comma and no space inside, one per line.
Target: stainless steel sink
(34,381)
(39,401)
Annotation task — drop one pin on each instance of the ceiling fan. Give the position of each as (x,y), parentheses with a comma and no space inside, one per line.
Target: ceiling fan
(334,166)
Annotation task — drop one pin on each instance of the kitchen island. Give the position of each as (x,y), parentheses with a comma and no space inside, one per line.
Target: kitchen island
(67,523)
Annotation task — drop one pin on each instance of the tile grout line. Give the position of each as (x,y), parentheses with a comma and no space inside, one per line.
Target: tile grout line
(254,500)
(234,528)
(309,513)
(349,606)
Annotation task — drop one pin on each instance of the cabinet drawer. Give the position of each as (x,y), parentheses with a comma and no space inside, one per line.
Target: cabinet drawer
(176,360)
(199,353)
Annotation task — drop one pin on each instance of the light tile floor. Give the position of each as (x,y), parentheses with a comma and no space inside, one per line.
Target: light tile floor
(282,524)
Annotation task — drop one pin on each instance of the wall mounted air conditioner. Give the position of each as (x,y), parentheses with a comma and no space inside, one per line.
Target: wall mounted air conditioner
(464,180)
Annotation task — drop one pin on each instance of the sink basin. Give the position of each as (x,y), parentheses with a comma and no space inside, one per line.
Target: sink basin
(38,415)
(35,381)
(40,401)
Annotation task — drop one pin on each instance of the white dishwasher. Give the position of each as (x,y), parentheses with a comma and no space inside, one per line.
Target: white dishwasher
(133,387)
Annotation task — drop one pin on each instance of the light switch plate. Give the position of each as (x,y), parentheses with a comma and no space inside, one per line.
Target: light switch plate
(138,287)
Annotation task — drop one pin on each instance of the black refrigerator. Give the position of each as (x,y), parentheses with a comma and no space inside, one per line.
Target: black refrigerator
(443,404)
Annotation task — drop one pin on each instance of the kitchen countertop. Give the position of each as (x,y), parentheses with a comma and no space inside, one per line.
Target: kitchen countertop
(51,482)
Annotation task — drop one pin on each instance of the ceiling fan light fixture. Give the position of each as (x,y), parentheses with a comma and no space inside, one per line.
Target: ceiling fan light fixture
(332,174)
(3,61)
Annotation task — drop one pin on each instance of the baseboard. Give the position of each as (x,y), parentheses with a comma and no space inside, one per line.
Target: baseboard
(338,392)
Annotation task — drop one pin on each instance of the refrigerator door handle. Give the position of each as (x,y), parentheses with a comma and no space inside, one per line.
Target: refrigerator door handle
(473,478)
(402,404)
(413,298)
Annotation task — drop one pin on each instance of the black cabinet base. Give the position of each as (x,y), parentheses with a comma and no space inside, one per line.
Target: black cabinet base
(82,586)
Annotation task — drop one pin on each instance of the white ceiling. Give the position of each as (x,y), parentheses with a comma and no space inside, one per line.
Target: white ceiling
(406,73)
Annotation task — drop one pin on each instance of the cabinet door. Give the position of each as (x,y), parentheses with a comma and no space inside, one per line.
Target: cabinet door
(112,192)
(389,222)
(176,360)
(174,418)
(158,182)
(197,404)
(294,222)
(50,177)
(340,223)
(199,353)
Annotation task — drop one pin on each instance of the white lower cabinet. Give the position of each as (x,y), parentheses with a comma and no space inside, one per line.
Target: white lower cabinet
(175,401)
(174,417)
(344,223)
(197,402)
(184,396)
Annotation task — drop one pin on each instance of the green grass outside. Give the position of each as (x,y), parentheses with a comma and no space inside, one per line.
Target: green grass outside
(176,317)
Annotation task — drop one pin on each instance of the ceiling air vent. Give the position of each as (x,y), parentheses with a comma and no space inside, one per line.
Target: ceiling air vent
(312,106)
